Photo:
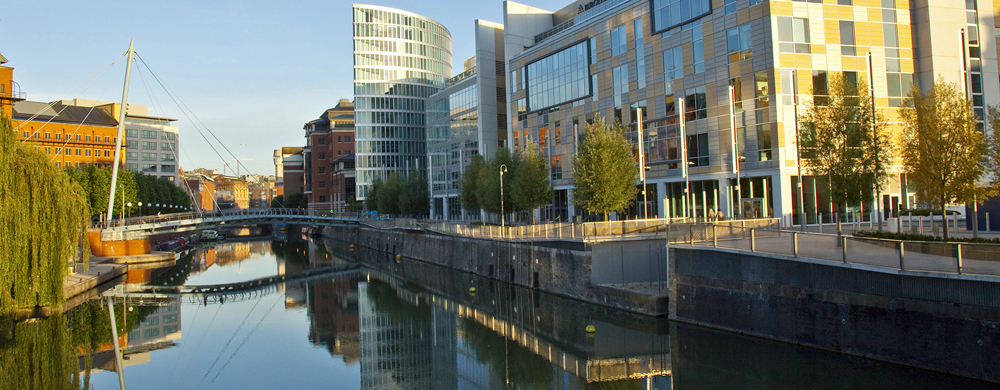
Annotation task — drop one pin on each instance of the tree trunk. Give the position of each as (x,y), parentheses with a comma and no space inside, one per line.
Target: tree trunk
(944,219)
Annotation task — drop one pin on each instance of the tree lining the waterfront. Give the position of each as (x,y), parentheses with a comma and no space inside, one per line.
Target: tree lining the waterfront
(132,188)
(605,169)
(399,194)
(43,219)
(526,183)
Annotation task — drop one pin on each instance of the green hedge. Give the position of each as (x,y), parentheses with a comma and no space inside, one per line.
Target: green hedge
(921,237)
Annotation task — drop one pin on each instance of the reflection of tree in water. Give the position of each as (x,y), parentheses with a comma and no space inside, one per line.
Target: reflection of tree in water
(525,368)
(291,251)
(56,352)
(400,312)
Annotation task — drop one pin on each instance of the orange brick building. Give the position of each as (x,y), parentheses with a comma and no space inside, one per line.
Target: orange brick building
(9,90)
(70,135)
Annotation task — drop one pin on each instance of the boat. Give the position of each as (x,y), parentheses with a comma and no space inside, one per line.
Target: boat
(209,235)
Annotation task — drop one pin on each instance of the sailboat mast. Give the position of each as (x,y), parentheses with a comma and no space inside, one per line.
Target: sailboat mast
(121,130)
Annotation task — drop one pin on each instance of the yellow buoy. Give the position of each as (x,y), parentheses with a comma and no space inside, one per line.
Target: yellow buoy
(591,329)
(399,258)
(472,290)
(352,247)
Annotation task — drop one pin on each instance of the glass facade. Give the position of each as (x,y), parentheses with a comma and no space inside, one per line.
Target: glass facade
(559,78)
(400,59)
(670,13)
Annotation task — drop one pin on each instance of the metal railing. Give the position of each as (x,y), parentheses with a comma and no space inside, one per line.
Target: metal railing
(227,214)
(588,231)
(919,256)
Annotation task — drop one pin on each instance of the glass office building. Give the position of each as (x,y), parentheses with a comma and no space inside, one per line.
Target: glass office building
(400,59)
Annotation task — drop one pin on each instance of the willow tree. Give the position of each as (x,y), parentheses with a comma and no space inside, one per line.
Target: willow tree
(605,171)
(849,141)
(43,219)
(942,146)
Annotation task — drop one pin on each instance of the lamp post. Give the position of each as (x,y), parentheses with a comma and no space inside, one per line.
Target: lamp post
(503,168)
(140,209)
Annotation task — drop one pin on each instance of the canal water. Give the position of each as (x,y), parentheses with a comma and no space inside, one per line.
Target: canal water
(396,326)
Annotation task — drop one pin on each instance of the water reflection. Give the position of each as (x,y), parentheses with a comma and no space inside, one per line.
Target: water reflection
(401,325)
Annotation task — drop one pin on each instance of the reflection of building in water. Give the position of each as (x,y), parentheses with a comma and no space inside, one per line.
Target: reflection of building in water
(405,343)
(333,316)
(163,326)
(232,252)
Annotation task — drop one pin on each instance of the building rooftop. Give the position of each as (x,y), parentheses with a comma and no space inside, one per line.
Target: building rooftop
(57,111)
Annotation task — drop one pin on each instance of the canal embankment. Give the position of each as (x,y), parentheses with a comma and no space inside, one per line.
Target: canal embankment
(936,321)
(613,273)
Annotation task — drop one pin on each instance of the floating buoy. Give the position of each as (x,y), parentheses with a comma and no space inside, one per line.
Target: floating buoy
(591,329)
(352,247)
(472,290)
(399,258)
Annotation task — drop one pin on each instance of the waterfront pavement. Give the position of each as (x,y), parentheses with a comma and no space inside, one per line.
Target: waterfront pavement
(85,283)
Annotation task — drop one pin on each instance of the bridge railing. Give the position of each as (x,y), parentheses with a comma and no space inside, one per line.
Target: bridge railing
(920,256)
(226,214)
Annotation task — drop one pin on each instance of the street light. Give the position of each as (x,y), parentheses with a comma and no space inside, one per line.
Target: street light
(503,169)
(140,208)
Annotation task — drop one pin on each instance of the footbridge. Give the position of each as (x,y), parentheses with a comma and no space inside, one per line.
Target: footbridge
(138,227)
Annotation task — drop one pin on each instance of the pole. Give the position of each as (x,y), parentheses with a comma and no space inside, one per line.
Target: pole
(798,150)
(642,163)
(735,145)
(430,182)
(503,168)
(878,187)
(121,129)
(684,159)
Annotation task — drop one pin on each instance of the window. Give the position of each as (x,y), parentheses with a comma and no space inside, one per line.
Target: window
(88,138)
(78,151)
(150,333)
(58,136)
(149,157)
(169,319)
(48,150)
(322,156)
(634,111)
(764,141)
(322,184)
(168,157)
(558,78)
(48,135)
(900,85)
(131,133)
(698,48)
(619,80)
(132,144)
(847,38)
(149,134)
(793,35)
(761,89)
(323,141)
(739,43)
(695,104)
(149,167)
(670,13)
(593,50)
(148,145)
(730,6)
(322,169)
(347,138)
(556,167)
(131,155)
(640,55)
(132,166)
(618,39)
(322,198)
(737,85)
(697,150)
(168,136)
(106,139)
(86,152)
(821,90)
(673,68)
(845,2)
(166,146)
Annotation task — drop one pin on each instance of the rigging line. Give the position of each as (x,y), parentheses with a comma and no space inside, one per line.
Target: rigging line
(172,94)
(207,328)
(195,125)
(70,137)
(53,103)
(245,339)
(233,336)
(181,352)
(157,109)
(97,74)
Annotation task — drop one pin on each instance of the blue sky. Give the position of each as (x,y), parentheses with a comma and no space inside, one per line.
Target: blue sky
(252,71)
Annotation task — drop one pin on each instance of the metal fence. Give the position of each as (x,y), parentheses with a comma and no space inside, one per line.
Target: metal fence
(941,257)
(256,212)
(591,231)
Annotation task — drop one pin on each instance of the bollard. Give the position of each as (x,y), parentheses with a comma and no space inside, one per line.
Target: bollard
(899,224)
(819,221)
(691,234)
(753,240)
(902,255)
(715,237)
(958,258)
(843,248)
(795,244)
(987,221)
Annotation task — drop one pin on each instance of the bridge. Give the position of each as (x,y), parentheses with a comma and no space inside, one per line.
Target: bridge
(139,227)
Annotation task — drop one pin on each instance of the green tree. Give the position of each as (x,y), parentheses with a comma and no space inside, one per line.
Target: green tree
(371,201)
(388,194)
(488,191)
(296,201)
(992,166)
(470,183)
(942,146)
(530,187)
(278,201)
(849,143)
(413,195)
(605,171)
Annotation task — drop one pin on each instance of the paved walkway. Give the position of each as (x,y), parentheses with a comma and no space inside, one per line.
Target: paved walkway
(977,259)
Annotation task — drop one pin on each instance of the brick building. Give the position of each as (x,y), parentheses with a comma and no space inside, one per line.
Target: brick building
(328,138)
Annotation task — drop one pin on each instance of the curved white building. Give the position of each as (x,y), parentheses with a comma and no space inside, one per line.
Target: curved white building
(400,59)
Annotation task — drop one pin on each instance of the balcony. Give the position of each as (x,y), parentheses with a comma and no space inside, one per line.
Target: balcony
(14,95)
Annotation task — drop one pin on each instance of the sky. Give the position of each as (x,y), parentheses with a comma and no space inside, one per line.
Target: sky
(253,72)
